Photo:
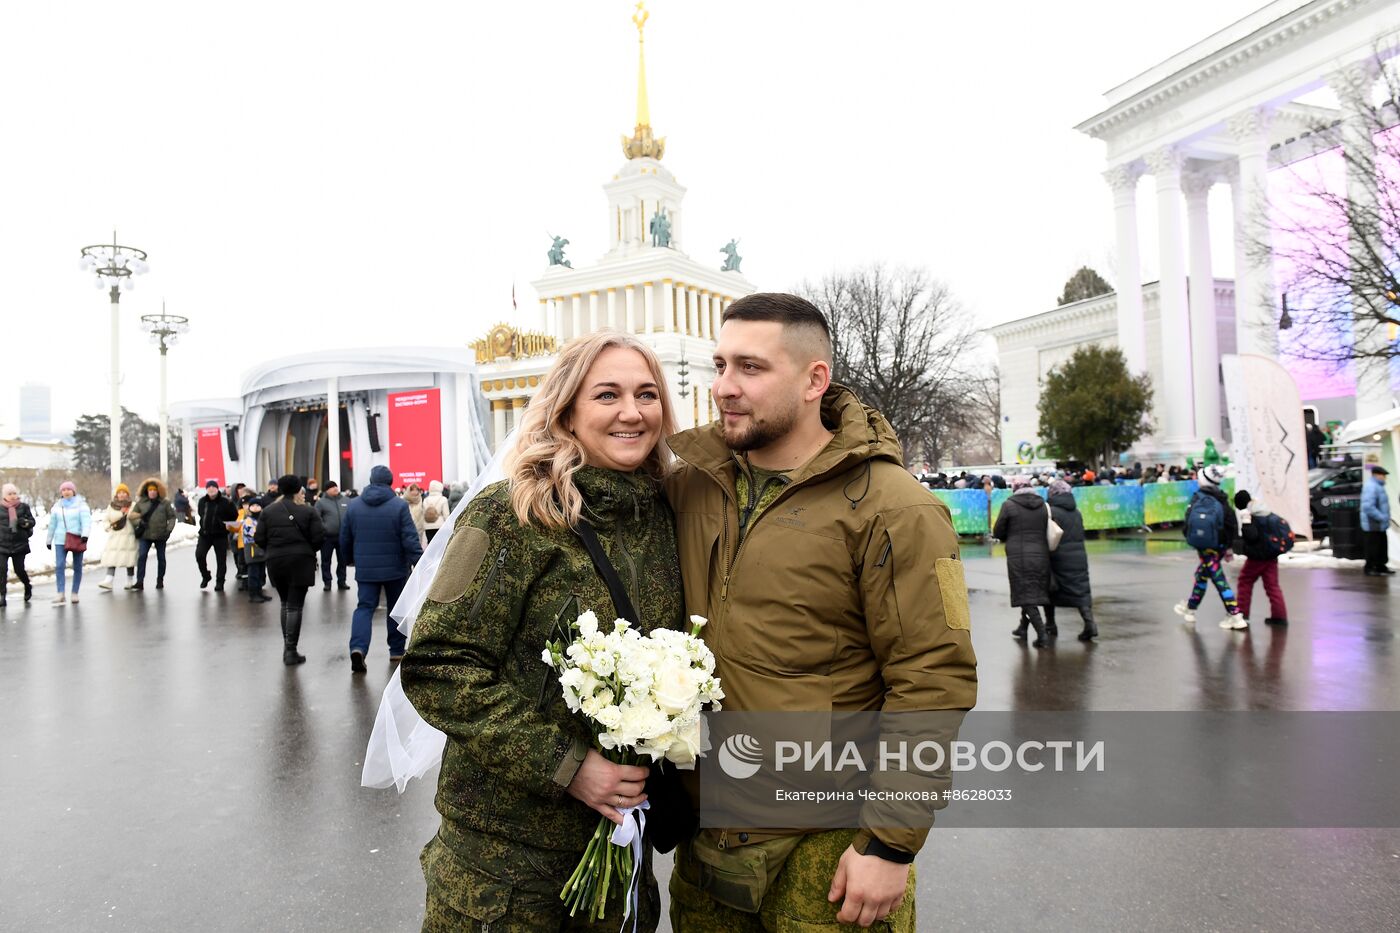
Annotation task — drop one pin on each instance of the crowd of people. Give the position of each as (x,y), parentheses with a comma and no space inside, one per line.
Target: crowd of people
(1047,562)
(1103,475)
(277,538)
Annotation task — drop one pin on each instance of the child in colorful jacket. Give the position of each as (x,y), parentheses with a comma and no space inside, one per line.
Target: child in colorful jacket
(254,557)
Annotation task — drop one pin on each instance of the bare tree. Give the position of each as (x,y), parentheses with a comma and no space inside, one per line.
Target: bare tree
(977,438)
(900,341)
(1333,240)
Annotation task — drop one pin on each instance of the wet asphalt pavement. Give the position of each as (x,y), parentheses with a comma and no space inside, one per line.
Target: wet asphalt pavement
(161,769)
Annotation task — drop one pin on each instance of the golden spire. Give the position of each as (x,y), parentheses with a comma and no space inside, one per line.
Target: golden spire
(640,18)
(642,143)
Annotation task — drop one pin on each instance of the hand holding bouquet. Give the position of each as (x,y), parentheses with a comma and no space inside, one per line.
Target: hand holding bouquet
(642,696)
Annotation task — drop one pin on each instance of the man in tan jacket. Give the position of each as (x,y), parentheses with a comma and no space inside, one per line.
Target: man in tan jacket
(831,580)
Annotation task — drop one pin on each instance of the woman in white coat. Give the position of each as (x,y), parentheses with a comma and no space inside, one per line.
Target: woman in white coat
(120,549)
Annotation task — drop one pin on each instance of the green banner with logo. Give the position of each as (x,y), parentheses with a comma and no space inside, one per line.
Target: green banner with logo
(968,508)
(1109,506)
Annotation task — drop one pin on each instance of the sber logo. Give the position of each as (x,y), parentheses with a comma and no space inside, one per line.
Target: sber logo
(740,756)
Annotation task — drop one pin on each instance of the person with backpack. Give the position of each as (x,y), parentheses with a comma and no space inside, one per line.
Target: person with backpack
(1211,529)
(1266,537)
(435,510)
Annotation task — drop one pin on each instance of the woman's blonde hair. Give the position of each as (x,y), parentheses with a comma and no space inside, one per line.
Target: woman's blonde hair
(547,455)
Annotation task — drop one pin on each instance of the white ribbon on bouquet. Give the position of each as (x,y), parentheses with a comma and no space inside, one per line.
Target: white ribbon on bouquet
(630,832)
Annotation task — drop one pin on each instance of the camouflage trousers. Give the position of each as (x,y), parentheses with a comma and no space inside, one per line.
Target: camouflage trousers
(795,902)
(489,884)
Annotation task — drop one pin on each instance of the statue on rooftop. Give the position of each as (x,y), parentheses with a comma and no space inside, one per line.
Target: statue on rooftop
(556,252)
(731,256)
(660,228)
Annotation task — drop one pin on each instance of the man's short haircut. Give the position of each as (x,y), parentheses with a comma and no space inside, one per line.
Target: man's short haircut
(800,318)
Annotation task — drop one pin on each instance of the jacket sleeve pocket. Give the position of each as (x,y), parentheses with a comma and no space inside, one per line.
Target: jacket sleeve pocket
(917,612)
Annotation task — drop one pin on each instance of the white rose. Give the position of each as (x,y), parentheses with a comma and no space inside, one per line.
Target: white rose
(547,658)
(674,687)
(587,623)
(689,743)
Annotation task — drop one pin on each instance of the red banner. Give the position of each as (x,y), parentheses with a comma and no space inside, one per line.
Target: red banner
(210,454)
(415,437)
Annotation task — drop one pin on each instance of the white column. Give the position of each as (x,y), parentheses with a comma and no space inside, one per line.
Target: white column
(702,308)
(629,301)
(115,415)
(593,320)
(1132,332)
(498,422)
(668,306)
(610,309)
(558,320)
(649,303)
(691,323)
(1205,343)
(1176,389)
(579,314)
(332,433)
(164,423)
(1256,321)
(1353,86)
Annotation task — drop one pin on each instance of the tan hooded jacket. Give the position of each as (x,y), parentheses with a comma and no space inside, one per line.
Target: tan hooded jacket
(847,592)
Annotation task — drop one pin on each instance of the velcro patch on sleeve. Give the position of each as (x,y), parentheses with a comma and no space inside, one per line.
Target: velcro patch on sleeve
(460,562)
(952,586)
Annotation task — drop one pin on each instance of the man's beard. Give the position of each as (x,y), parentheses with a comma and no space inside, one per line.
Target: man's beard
(761,432)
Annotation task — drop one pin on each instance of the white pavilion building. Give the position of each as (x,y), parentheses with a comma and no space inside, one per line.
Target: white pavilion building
(1227,110)
(642,285)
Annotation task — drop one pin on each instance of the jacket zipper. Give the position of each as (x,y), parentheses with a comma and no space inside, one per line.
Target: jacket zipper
(885,555)
(486,588)
(729,568)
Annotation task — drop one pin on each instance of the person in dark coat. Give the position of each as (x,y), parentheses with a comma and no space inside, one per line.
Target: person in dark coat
(379,537)
(290,533)
(16,527)
(331,506)
(182,507)
(154,520)
(216,510)
(1069,564)
(1021,527)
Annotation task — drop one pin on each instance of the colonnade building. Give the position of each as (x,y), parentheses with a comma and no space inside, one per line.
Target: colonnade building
(1235,109)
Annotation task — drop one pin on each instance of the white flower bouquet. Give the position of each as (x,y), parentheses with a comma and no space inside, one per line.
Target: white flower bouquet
(642,696)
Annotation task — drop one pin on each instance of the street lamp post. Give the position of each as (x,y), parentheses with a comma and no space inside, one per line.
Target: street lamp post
(114,267)
(165,330)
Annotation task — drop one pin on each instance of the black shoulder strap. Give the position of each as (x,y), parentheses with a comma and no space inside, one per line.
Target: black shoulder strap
(622,603)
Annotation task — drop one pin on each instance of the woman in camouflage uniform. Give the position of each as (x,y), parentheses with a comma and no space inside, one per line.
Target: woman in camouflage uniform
(521,786)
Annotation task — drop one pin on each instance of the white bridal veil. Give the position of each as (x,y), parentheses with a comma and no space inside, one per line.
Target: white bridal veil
(403,746)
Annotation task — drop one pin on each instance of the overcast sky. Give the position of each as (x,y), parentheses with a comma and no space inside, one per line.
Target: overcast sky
(309,175)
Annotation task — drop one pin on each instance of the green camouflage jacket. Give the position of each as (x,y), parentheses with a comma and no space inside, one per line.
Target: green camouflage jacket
(473,665)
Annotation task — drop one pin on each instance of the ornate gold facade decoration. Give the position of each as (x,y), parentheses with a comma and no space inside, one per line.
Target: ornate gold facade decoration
(505,341)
